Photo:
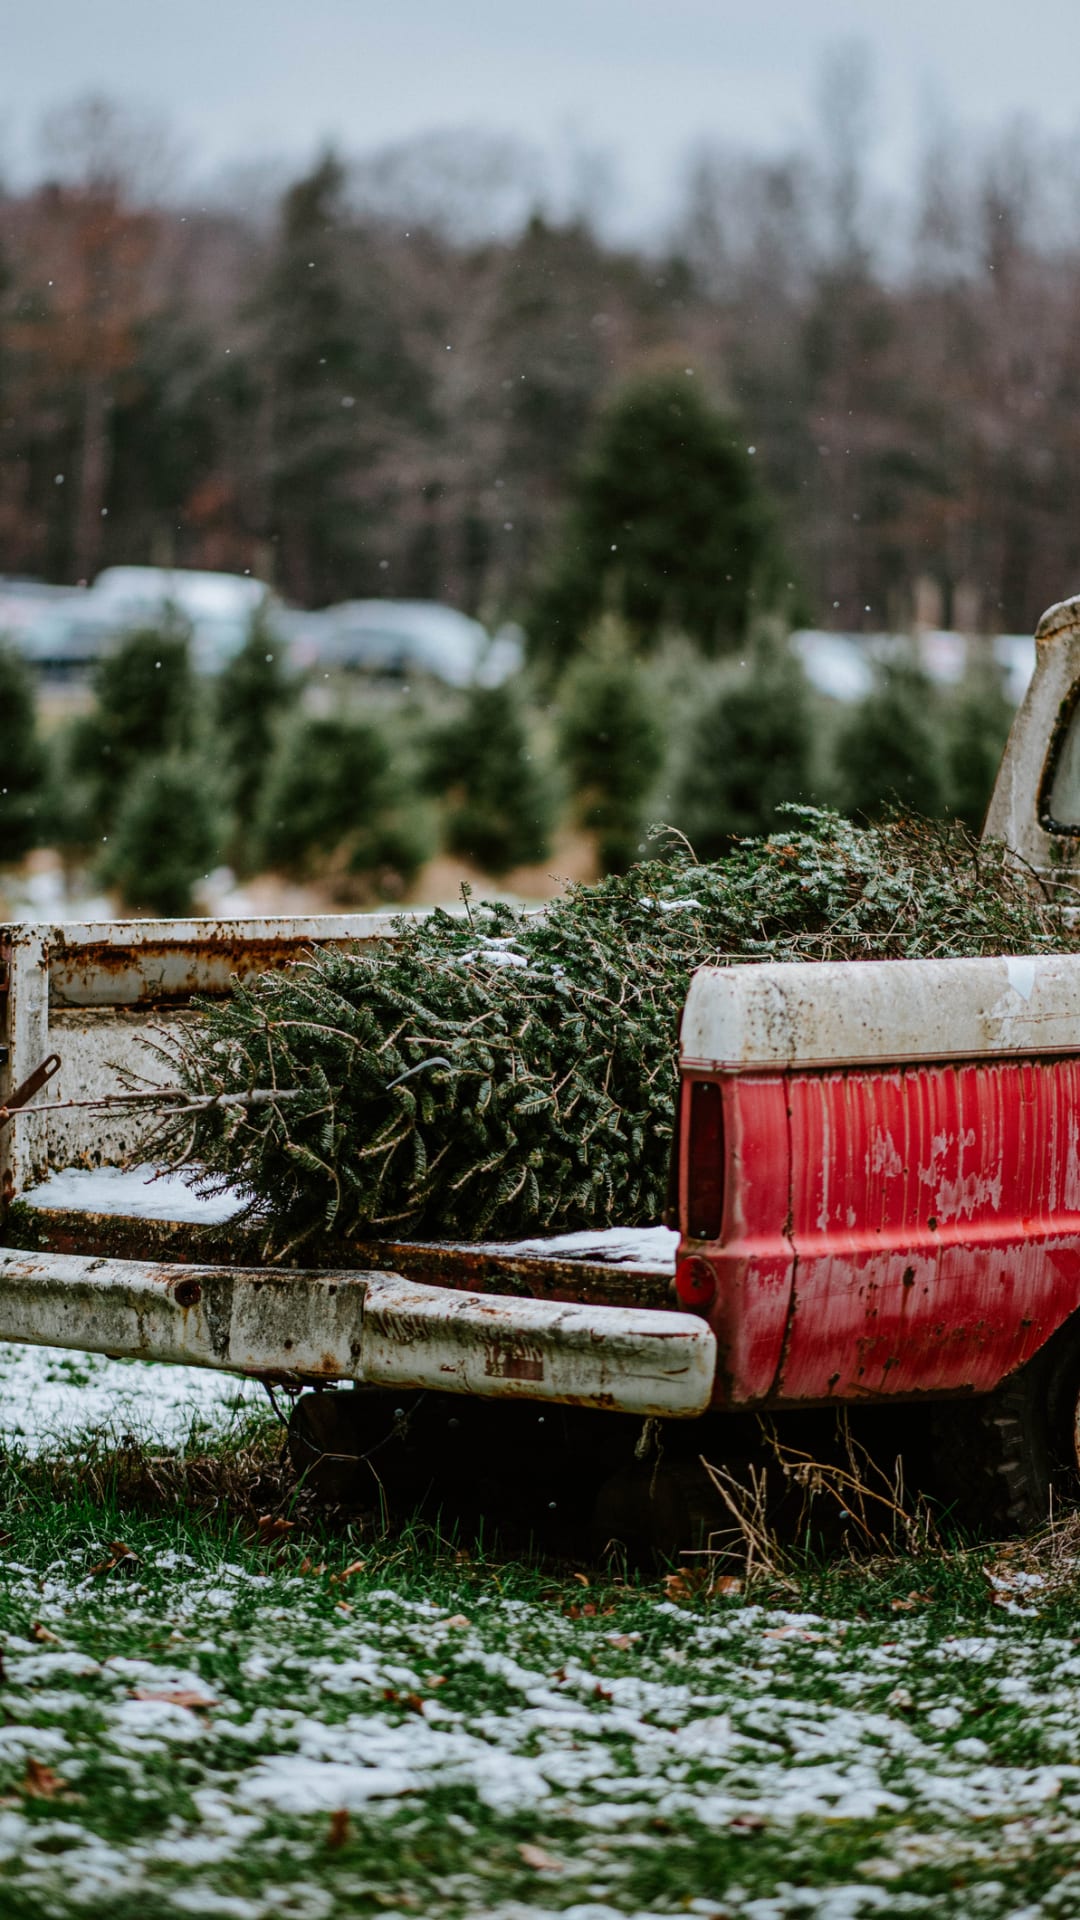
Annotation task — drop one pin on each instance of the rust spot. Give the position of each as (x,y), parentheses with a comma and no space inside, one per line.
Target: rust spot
(159,969)
(187,1293)
(503,1363)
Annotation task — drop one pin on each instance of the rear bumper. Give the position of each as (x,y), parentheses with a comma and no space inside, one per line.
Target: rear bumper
(374,1328)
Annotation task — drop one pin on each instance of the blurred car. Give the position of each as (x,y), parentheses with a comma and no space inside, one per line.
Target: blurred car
(841,665)
(400,639)
(71,629)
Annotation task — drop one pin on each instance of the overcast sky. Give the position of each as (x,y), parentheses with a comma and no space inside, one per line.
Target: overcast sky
(640,79)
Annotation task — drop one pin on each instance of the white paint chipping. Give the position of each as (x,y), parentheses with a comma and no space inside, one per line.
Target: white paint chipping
(880,1012)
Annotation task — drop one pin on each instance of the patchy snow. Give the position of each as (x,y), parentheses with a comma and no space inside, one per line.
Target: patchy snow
(495,956)
(750,1727)
(50,1396)
(146,1191)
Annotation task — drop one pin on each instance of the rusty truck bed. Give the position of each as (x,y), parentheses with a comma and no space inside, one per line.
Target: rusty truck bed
(144,1213)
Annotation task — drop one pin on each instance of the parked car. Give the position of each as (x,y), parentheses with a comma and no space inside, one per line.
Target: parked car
(73,630)
(402,639)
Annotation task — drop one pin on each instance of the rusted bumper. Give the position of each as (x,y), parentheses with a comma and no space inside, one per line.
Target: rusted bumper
(374,1328)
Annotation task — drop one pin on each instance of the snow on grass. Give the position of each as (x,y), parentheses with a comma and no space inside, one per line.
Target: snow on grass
(50,1396)
(225,1735)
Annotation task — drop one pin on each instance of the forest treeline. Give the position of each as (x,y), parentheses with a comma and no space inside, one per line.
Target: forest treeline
(355,393)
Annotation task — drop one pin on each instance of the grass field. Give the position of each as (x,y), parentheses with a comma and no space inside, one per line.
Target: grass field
(215,1703)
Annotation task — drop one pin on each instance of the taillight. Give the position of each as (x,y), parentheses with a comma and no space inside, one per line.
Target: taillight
(695,1282)
(705,1162)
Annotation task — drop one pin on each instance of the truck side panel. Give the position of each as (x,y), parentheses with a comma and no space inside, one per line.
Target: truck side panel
(889,1232)
(936,1223)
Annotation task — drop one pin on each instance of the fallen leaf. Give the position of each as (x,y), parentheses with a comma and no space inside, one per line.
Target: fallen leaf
(38,1632)
(458,1620)
(121,1557)
(271,1526)
(344,1606)
(539,1858)
(355,1566)
(175,1697)
(601,1693)
(746,1822)
(393,1698)
(581,1578)
(621,1640)
(339,1829)
(680,1586)
(40,1782)
(727,1583)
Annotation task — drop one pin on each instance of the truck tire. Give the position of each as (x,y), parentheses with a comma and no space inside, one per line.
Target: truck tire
(1002,1463)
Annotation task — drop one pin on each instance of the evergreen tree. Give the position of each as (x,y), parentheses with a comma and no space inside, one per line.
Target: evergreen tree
(144,708)
(977,722)
(251,694)
(611,744)
(667,527)
(165,837)
(888,749)
(22,760)
(498,804)
(748,750)
(339,382)
(336,803)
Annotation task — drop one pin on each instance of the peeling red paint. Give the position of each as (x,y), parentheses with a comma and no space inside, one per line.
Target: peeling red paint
(894,1232)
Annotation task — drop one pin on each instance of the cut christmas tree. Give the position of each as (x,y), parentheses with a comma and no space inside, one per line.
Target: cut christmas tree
(508,1072)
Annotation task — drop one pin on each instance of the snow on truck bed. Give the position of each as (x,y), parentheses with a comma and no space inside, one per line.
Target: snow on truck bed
(149,1193)
(50,1396)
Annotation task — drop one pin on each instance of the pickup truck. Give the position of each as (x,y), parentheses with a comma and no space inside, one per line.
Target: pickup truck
(875,1191)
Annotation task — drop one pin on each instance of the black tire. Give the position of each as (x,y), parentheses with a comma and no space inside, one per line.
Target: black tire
(1003,1462)
(339,1438)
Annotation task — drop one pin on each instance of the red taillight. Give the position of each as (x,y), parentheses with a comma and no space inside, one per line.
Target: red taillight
(695,1282)
(705,1163)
